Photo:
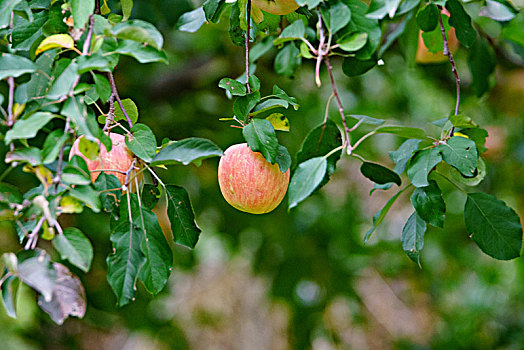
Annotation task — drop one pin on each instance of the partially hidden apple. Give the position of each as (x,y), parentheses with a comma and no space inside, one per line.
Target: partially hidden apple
(119,158)
(276,7)
(424,56)
(248,182)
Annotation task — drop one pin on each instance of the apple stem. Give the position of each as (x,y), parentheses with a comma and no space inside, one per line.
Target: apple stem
(447,52)
(326,113)
(248,22)
(129,171)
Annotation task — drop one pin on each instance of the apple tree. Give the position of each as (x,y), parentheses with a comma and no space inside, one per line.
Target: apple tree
(65,123)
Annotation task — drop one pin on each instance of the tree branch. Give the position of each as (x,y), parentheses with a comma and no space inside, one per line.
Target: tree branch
(447,52)
(115,93)
(248,22)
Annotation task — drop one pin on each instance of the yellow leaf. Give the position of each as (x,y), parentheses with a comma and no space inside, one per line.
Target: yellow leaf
(105,9)
(54,41)
(70,205)
(48,232)
(460,134)
(257,14)
(279,122)
(18,109)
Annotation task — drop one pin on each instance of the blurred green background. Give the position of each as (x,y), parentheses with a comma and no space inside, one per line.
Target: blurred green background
(302,279)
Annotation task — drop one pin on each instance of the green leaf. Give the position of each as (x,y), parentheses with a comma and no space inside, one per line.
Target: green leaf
(234,87)
(260,49)
(497,11)
(282,95)
(429,204)
(108,186)
(481,63)
(9,194)
(494,226)
(364,119)
(150,196)
(353,67)
(75,109)
(142,142)
(283,159)
(191,21)
(124,263)
(103,88)
(26,33)
(269,104)
(130,108)
(427,18)
(6,8)
(381,214)
(244,104)
(294,31)
(191,150)
(421,165)
(339,17)
(236,27)
(63,85)
(159,258)
(306,179)
(287,60)
(87,195)
(514,30)
(143,54)
(479,136)
(40,79)
(76,172)
(74,246)
(460,153)
(31,155)
(260,136)
(127,7)
(14,66)
(319,142)
(380,8)
(36,270)
(9,294)
(460,19)
(213,9)
(135,33)
(353,42)
(433,39)
(471,181)
(403,154)
(29,127)
(402,131)
(360,22)
(462,121)
(81,9)
(181,216)
(68,296)
(94,62)
(379,174)
(413,237)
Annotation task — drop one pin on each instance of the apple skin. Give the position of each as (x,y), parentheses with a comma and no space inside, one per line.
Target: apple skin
(276,7)
(248,182)
(119,158)
(424,56)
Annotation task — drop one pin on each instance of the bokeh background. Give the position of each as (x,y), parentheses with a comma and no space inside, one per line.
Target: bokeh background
(301,279)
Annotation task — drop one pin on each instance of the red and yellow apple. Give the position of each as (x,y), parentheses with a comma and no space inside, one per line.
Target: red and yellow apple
(248,182)
(425,56)
(119,158)
(276,7)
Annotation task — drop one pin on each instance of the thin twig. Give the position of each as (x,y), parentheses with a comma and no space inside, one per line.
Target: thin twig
(10,114)
(320,50)
(111,114)
(326,113)
(447,52)
(248,22)
(87,42)
(97,7)
(339,103)
(115,93)
(58,177)
(129,171)
(33,236)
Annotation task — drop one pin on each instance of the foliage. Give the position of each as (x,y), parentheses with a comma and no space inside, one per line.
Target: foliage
(58,61)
